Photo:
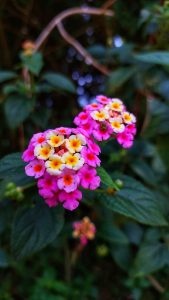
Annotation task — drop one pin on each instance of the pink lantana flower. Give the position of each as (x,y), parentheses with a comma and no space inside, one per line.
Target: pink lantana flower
(70,200)
(90,158)
(82,118)
(89,178)
(52,202)
(93,147)
(37,138)
(102,99)
(131,129)
(88,127)
(28,154)
(35,168)
(63,130)
(102,131)
(125,139)
(47,186)
(68,181)
(93,106)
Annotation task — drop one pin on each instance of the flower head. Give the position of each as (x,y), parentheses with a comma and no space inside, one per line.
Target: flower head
(106,119)
(56,158)
(84,230)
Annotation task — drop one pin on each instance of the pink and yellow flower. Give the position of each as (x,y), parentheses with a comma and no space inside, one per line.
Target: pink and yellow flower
(54,139)
(54,165)
(35,168)
(101,115)
(75,143)
(84,230)
(43,151)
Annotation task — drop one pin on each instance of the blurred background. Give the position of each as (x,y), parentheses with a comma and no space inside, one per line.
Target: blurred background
(128,260)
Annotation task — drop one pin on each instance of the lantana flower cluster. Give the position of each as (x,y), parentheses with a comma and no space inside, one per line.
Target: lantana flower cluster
(85,230)
(65,159)
(62,160)
(106,118)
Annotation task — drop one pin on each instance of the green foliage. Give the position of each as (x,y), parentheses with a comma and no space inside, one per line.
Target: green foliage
(20,106)
(59,82)
(33,63)
(135,201)
(6,75)
(44,90)
(34,228)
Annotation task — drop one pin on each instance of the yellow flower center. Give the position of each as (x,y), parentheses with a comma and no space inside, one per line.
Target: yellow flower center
(56,164)
(116,124)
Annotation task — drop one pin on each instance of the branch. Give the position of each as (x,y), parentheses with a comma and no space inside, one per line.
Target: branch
(57,22)
(88,58)
(156,284)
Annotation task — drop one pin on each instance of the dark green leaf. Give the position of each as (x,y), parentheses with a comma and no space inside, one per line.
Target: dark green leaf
(113,234)
(122,256)
(118,78)
(7,75)
(135,201)
(17,109)
(144,171)
(34,228)
(33,63)
(158,57)
(12,169)
(105,178)
(3,259)
(60,82)
(150,258)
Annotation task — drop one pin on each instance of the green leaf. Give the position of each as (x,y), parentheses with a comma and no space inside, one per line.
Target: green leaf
(157,57)
(105,178)
(144,171)
(12,169)
(17,109)
(7,75)
(113,234)
(118,78)
(60,82)
(3,259)
(163,149)
(150,258)
(122,256)
(6,211)
(33,63)
(34,228)
(9,89)
(135,201)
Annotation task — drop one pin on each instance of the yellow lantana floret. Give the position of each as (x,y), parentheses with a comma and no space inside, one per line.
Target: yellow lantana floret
(115,105)
(75,143)
(116,124)
(54,165)
(73,161)
(54,139)
(101,115)
(43,151)
(128,118)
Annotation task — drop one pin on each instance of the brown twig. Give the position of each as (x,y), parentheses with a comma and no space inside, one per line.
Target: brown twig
(57,22)
(156,284)
(88,58)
